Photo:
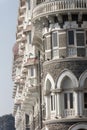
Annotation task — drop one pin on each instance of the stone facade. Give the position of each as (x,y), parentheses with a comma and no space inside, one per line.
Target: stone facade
(62,126)
(51,81)
(76,66)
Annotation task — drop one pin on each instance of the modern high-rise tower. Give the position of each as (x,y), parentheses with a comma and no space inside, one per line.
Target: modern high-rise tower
(50,65)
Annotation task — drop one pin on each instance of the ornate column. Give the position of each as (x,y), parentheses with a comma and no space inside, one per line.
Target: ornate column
(76,103)
(80,103)
(59,105)
(47,100)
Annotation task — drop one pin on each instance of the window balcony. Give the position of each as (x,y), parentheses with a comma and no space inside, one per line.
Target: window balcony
(18,101)
(27,28)
(72,51)
(24,39)
(31,84)
(85,112)
(21,54)
(19,60)
(18,40)
(21,17)
(69,113)
(26,107)
(22,9)
(23,76)
(17,81)
(31,61)
(22,46)
(33,81)
(19,32)
(20,27)
(24,70)
(47,7)
(22,81)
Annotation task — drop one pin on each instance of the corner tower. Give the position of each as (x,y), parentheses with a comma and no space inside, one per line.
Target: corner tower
(60,31)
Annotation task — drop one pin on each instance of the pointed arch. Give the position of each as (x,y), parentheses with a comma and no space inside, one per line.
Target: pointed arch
(78,126)
(82,78)
(70,75)
(49,84)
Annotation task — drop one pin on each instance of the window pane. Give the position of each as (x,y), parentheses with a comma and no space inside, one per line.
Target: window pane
(54,39)
(65,101)
(29,4)
(71,37)
(51,103)
(54,101)
(80,39)
(27,119)
(32,71)
(85,100)
(71,100)
(29,37)
(86,37)
(47,43)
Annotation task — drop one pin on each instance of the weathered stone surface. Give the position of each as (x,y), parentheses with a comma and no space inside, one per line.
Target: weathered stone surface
(61,126)
(56,67)
(62,39)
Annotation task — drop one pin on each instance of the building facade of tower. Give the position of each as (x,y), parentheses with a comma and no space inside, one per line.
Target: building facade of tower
(50,65)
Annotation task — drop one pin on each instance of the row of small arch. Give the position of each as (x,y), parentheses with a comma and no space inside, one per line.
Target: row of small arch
(76,83)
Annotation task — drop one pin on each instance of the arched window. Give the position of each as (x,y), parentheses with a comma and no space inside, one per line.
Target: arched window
(83,93)
(48,87)
(85,98)
(79,126)
(49,97)
(68,98)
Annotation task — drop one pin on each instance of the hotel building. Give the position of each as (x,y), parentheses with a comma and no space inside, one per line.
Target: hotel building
(50,65)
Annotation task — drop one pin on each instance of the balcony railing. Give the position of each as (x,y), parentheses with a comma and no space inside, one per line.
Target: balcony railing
(33,81)
(69,112)
(72,51)
(85,112)
(46,6)
(31,61)
(22,9)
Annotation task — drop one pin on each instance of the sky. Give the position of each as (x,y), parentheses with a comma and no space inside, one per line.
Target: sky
(8,23)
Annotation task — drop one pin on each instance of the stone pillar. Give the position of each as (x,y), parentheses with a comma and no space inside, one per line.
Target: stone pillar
(76,103)
(80,103)
(58,105)
(47,99)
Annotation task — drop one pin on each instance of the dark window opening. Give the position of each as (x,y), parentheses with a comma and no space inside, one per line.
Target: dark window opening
(71,37)
(29,6)
(29,37)
(52,102)
(71,100)
(54,39)
(85,100)
(86,37)
(80,39)
(65,101)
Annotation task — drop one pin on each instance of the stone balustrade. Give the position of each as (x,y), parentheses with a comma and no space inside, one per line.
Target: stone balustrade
(47,7)
(85,112)
(69,113)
